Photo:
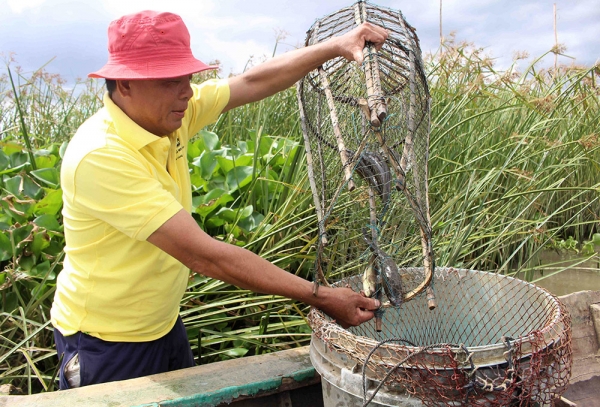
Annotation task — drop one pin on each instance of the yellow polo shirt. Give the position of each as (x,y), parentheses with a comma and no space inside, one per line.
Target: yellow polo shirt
(120,184)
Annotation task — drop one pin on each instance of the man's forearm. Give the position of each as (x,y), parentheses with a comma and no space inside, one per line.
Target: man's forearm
(181,237)
(247,270)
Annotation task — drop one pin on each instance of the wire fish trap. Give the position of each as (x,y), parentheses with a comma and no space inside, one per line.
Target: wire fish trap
(493,340)
(366,132)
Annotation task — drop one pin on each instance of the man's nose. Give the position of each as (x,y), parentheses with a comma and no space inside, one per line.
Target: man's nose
(187,92)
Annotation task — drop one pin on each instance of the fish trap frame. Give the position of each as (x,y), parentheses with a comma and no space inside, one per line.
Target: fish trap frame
(492,340)
(366,133)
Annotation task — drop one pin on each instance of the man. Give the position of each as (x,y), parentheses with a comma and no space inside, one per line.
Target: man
(130,238)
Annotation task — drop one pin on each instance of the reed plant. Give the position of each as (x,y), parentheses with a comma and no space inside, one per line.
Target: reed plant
(514,169)
(515,158)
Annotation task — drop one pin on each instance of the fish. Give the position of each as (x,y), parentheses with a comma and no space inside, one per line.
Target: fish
(389,272)
(369,281)
(374,169)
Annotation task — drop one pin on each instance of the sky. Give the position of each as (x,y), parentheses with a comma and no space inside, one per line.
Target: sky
(70,35)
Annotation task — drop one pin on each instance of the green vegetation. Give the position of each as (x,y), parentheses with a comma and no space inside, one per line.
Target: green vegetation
(514,169)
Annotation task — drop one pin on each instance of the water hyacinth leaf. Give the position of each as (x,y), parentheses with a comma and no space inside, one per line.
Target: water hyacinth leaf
(210,140)
(217,181)
(214,222)
(49,176)
(588,248)
(233,230)
(243,147)
(246,212)
(11,213)
(53,150)
(197,181)
(236,352)
(22,208)
(229,163)
(250,223)
(231,215)
(4,161)
(48,222)
(56,247)
(40,270)
(207,164)
(46,161)
(11,147)
(238,177)
(13,185)
(11,301)
(63,148)
(194,149)
(22,233)
(40,241)
(6,249)
(265,145)
(18,159)
(31,189)
(50,204)
(207,203)
(26,263)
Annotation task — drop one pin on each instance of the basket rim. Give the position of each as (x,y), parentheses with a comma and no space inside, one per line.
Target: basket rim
(317,319)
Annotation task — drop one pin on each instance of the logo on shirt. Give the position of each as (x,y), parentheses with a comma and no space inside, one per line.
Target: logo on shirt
(179,148)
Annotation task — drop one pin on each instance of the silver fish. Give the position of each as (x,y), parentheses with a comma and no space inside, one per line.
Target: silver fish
(369,281)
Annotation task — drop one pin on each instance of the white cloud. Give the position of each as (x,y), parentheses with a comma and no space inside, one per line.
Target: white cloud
(18,6)
(233,30)
(185,8)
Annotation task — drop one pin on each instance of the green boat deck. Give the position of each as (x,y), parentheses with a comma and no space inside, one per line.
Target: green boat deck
(280,379)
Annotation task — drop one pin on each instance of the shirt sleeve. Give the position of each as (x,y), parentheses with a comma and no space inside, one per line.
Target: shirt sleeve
(115,187)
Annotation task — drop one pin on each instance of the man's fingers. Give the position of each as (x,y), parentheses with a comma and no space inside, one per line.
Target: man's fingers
(358,56)
(364,316)
(371,304)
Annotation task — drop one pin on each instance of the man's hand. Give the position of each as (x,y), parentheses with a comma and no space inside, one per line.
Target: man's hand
(346,306)
(351,44)
(284,70)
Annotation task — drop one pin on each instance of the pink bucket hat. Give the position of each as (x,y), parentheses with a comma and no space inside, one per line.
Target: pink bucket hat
(149,45)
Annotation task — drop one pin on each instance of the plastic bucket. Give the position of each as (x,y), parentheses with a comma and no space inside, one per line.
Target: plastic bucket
(342,381)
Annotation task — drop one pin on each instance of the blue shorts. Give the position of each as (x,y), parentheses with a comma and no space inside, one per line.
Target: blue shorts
(101,361)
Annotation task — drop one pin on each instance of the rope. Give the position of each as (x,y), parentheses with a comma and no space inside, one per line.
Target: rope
(475,382)
(393,369)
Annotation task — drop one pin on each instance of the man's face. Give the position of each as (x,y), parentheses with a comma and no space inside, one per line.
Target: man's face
(159,105)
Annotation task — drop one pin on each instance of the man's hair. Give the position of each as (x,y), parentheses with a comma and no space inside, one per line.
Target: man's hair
(111,85)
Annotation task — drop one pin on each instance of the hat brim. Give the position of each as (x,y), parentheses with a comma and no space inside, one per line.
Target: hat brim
(155,69)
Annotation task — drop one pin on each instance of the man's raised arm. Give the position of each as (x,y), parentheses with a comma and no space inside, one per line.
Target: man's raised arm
(284,70)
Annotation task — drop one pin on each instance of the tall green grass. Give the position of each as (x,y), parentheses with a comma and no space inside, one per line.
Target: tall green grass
(515,159)
(514,168)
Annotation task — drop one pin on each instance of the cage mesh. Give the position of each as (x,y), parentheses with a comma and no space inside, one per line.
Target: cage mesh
(366,132)
(492,340)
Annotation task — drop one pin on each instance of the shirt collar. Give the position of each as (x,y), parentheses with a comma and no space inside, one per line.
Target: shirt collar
(126,128)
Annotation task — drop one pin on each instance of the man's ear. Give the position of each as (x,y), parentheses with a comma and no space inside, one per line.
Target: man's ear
(124,88)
